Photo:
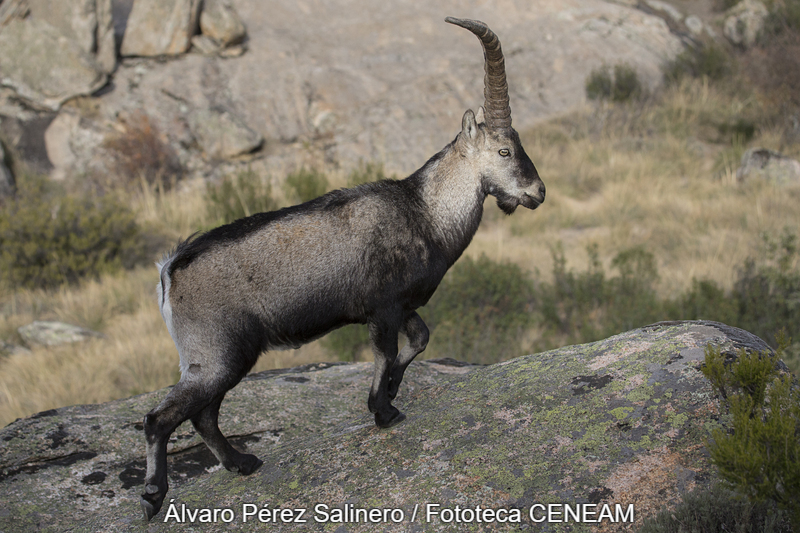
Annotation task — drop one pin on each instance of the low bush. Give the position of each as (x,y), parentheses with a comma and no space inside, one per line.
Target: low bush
(707,60)
(587,306)
(767,291)
(367,172)
(718,510)
(740,130)
(306,184)
(239,196)
(47,239)
(480,311)
(784,16)
(599,84)
(624,85)
(774,67)
(347,342)
(140,153)
(760,455)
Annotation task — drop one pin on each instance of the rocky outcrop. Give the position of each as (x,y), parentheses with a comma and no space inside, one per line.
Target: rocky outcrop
(87,23)
(53,51)
(689,28)
(767,165)
(7,348)
(106,40)
(744,22)
(619,421)
(343,86)
(51,333)
(220,22)
(45,67)
(389,85)
(223,135)
(13,9)
(57,141)
(160,27)
(665,7)
(222,30)
(75,145)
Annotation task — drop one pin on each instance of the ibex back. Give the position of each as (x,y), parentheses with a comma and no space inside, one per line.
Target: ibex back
(369,255)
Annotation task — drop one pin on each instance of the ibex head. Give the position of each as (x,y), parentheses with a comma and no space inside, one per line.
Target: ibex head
(507,173)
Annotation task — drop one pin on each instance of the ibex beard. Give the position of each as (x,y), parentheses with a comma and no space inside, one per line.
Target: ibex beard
(369,255)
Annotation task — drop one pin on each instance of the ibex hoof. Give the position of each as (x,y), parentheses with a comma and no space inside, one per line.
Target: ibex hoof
(394,419)
(247,465)
(150,508)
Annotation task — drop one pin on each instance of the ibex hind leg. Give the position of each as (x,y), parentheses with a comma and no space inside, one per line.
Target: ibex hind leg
(417,333)
(187,399)
(205,422)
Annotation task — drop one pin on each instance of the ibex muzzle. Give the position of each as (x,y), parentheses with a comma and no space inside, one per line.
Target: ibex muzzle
(369,255)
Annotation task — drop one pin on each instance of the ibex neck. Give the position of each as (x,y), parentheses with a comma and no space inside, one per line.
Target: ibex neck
(454,198)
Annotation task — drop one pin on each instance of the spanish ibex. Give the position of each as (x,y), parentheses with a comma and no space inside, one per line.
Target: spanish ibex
(368,255)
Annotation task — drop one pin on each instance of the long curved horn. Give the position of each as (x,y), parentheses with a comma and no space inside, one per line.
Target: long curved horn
(495,87)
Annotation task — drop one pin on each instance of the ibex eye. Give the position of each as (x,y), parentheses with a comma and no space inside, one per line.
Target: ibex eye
(504,152)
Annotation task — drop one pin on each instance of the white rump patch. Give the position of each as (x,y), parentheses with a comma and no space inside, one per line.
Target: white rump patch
(166,307)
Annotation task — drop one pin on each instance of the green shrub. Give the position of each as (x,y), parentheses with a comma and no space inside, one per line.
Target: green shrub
(624,85)
(716,510)
(774,65)
(791,13)
(741,131)
(347,342)
(366,173)
(599,85)
(304,184)
(238,197)
(760,457)
(566,305)
(708,60)
(633,293)
(480,311)
(706,300)
(587,306)
(784,16)
(47,240)
(767,293)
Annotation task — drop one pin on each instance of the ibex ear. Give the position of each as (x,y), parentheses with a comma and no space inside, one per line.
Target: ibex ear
(479,116)
(469,129)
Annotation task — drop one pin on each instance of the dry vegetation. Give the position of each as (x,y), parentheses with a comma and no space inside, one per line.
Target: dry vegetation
(657,172)
(653,173)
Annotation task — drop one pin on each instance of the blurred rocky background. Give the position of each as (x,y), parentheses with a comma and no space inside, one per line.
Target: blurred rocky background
(222,82)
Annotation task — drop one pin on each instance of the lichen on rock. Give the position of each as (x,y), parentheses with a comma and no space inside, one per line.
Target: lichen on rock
(619,421)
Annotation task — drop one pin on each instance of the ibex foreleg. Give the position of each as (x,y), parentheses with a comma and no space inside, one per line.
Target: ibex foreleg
(417,334)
